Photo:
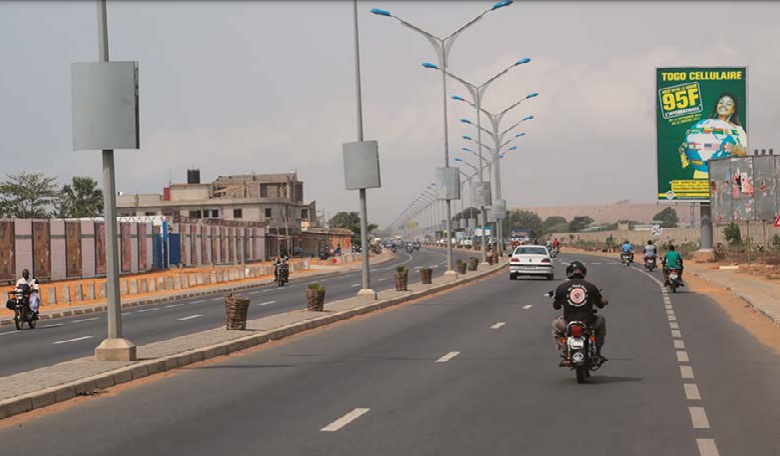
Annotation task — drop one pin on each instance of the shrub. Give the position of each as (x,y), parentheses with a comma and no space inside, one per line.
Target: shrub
(401,270)
(316,286)
(732,234)
(776,242)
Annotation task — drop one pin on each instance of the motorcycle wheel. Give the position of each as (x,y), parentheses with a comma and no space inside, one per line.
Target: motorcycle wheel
(32,323)
(581,374)
(673,287)
(587,373)
(18,322)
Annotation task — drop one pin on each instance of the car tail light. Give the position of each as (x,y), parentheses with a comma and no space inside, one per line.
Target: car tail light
(576,331)
(545,260)
(515,260)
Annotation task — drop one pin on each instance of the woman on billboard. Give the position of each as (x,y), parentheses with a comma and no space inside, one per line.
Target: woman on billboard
(719,136)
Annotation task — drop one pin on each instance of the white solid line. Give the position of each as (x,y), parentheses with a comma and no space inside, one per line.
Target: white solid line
(447,357)
(9,332)
(692,392)
(266,303)
(51,326)
(527,306)
(190,317)
(686,371)
(676,333)
(682,357)
(674,325)
(345,420)
(678,343)
(73,340)
(707,447)
(498,325)
(699,418)
(355,285)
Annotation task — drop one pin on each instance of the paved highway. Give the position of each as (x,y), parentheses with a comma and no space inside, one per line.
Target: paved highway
(469,372)
(63,339)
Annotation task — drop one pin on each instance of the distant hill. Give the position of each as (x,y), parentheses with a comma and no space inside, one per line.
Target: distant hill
(611,213)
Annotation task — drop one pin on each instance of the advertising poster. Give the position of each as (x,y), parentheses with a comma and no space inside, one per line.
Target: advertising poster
(125,247)
(193,244)
(7,249)
(142,229)
(41,250)
(100,248)
(214,245)
(73,249)
(701,114)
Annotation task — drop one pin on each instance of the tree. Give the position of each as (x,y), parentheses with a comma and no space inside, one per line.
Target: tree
(350,221)
(524,220)
(28,195)
(82,198)
(667,217)
(555,224)
(578,224)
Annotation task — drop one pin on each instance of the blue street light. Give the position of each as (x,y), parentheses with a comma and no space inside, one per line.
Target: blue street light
(513,148)
(522,61)
(528,117)
(380,12)
(466,121)
(519,135)
(458,159)
(531,95)
(467,137)
(455,97)
(430,65)
(501,5)
(502,155)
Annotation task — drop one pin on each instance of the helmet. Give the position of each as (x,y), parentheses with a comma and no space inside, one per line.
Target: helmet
(574,265)
(650,242)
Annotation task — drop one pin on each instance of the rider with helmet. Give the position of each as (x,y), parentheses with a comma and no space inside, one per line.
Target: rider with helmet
(650,251)
(627,248)
(578,297)
(672,260)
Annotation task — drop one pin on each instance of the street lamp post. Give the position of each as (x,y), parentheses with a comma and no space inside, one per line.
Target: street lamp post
(442,47)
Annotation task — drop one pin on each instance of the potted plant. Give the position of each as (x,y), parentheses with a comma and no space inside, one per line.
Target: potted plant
(401,278)
(473,263)
(461,266)
(315,297)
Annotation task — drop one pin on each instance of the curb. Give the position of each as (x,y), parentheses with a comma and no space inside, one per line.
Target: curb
(90,385)
(772,319)
(161,299)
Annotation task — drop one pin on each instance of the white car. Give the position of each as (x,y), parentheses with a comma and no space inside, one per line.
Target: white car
(531,260)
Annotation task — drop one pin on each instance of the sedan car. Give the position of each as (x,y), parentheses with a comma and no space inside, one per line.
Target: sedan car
(532,260)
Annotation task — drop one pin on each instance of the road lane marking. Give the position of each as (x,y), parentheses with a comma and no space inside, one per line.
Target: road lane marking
(385,278)
(126,313)
(267,303)
(51,326)
(678,343)
(148,310)
(682,357)
(345,420)
(418,268)
(447,357)
(707,447)
(676,333)
(190,317)
(669,307)
(527,306)
(355,285)
(72,340)
(671,317)
(216,299)
(692,392)
(173,305)
(498,325)
(85,319)
(674,325)
(686,371)
(699,418)
(9,332)
(198,301)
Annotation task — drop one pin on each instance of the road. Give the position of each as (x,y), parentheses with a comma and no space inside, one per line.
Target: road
(445,376)
(63,339)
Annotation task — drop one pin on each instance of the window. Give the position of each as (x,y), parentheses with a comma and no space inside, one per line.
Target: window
(305,214)
(215,213)
(150,213)
(195,214)
(268,212)
(237,213)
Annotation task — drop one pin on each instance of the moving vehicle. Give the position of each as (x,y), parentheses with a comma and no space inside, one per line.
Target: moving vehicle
(416,245)
(19,302)
(579,350)
(650,263)
(673,280)
(409,247)
(531,260)
(282,274)
(626,259)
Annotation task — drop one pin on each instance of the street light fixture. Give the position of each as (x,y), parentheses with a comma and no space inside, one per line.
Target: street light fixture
(442,47)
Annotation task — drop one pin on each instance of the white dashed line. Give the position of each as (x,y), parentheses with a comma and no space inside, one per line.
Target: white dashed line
(72,340)
(699,418)
(124,314)
(674,325)
(354,285)
(384,278)
(707,447)
(51,326)
(190,317)
(268,303)
(85,319)
(447,357)
(173,305)
(678,343)
(692,392)
(498,325)
(345,420)
(686,371)
(671,317)
(148,310)
(527,306)
(216,299)
(9,333)
(682,356)
(676,333)
(198,301)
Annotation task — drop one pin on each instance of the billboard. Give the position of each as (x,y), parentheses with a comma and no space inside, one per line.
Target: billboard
(743,189)
(701,114)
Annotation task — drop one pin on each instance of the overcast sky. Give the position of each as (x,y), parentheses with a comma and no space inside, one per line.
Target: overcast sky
(264,86)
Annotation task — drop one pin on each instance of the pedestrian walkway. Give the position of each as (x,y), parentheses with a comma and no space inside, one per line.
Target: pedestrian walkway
(26,391)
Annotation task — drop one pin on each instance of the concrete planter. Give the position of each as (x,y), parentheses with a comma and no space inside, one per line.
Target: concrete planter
(426,276)
(401,281)
(315,299)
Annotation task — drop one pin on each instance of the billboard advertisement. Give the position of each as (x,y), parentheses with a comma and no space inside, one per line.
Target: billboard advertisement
(701,114)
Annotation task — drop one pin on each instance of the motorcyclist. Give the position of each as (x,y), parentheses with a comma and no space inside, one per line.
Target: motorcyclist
(277,268)
(26,284)
(577,297)
(628,248)
(556,245)
(673,260)
(548,244)
(650,251)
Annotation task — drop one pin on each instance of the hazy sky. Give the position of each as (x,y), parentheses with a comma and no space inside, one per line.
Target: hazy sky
(264,86)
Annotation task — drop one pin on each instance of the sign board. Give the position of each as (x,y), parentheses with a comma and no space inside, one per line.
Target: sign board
(361,165)
(447,183)
(481,195)
(656,230)
(701,114)
(744,189)
(777,222)
(105,105)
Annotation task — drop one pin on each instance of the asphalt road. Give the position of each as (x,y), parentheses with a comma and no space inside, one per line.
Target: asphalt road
(445,376)
(63,339)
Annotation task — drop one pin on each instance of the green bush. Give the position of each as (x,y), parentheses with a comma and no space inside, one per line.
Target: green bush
(776,242)
(732,234)
(401,270)
(316,286)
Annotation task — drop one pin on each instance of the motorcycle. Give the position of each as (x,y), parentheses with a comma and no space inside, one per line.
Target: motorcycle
(20,304)
(555,251)
(650,263)
(394,248)
(673,280)
(282,274)
(579,348)
(626,258)
(409,248)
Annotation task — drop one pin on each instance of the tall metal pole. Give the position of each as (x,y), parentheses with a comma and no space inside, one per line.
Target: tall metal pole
(478,100)
(363,207)
(447,156)
(114,347)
